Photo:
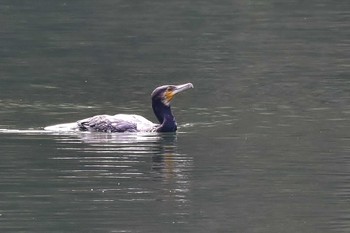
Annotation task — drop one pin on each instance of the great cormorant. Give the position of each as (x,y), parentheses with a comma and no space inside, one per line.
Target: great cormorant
(161,98)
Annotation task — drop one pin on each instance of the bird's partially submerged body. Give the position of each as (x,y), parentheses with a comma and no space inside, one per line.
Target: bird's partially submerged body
(161,98)
(116,123)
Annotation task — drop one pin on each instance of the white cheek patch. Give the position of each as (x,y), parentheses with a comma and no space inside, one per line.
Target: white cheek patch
(165,101)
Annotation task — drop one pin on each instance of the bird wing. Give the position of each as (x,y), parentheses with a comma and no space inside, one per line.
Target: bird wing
(143,125)
(106,123)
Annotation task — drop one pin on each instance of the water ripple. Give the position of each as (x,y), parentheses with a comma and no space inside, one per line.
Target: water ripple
(127,165)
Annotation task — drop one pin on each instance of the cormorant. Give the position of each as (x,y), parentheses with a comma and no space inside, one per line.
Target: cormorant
(161,98)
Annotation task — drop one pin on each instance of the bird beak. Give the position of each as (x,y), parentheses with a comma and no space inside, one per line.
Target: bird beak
(169,95)
(183,87)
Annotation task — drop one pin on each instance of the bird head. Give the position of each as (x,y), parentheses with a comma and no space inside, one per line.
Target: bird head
(167,92)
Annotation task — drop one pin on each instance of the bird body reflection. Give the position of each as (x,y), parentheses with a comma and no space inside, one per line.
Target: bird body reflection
(139,167)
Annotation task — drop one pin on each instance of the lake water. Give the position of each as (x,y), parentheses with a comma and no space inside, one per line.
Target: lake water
(263,143)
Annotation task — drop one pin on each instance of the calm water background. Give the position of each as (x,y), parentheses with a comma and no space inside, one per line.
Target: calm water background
(263,142)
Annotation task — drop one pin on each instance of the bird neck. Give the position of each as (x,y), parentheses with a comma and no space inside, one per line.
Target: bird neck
(165,117)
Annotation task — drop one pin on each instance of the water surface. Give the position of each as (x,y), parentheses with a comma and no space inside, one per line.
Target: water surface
(263,139)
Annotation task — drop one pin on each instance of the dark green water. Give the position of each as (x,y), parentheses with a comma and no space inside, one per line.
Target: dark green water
(263,143)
